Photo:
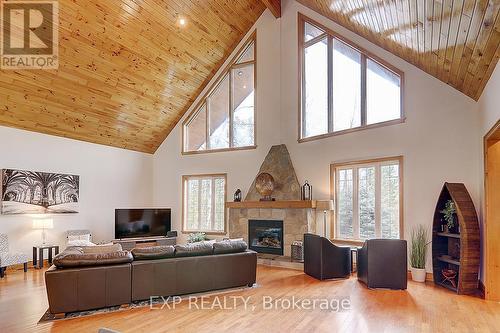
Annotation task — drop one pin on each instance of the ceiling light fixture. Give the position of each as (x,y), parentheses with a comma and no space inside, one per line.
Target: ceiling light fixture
(182,21)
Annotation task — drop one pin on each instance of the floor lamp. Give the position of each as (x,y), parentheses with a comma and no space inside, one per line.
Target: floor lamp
(325,206)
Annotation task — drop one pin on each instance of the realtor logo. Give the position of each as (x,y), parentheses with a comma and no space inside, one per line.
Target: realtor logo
(29,31)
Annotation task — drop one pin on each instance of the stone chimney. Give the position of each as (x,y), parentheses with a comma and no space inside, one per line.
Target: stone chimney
(279,165)
(296,220)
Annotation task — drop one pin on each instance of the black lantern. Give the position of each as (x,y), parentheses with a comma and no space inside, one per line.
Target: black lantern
(306,191)
(237,196)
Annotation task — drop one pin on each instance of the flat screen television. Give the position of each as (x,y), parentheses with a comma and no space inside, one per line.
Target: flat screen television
(134,223)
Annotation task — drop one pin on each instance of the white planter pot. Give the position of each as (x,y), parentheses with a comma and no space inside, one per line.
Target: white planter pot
(417,274)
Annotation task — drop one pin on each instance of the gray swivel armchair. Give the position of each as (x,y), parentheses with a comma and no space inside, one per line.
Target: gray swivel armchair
(324,260)
(383,263)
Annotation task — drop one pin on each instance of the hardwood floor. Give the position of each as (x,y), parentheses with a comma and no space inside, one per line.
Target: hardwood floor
(422,308)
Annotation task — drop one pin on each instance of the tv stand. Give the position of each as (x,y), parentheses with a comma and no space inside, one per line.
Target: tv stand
(130,243)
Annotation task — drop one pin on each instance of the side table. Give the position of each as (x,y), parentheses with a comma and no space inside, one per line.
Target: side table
(38,249)
(354,251)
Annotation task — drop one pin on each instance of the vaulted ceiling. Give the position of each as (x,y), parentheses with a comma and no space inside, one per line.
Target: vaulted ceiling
(457,41)
(128,70)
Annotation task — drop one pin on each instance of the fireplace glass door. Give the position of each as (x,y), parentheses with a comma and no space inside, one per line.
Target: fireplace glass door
(266,236)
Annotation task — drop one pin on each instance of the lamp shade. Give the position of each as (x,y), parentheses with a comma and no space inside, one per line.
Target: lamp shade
(43,224)
(325,205)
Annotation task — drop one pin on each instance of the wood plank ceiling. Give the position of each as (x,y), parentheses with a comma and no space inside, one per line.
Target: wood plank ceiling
(128,70)
(457,41)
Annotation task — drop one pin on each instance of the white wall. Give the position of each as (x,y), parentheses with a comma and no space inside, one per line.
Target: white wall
(241,166)
(109,178)
(489,112)
(489,103)
(438,139)
(439,142)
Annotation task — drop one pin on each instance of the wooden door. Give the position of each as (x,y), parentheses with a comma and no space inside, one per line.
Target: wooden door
(492,222)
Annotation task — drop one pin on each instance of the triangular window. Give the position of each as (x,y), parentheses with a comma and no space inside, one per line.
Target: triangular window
(225,117)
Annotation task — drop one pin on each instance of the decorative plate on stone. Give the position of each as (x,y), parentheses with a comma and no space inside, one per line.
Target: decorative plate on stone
(264,183)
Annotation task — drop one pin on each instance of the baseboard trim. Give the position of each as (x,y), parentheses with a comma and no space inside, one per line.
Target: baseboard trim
(482,289)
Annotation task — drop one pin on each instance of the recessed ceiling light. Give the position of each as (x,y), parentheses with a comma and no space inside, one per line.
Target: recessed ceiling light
(240,73)
(182,21)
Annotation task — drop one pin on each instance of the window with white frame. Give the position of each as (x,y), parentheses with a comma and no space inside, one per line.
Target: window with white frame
(368,199)
(342,86)
(204,199)
(225,117)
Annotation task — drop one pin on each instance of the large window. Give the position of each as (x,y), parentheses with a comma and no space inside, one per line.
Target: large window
(203,203)
(342,86)
(225,117)
(368,198)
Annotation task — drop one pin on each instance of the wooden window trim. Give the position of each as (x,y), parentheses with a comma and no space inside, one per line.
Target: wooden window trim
(226,71)
(302,19)
(333,194)
(219,150)
(184,208)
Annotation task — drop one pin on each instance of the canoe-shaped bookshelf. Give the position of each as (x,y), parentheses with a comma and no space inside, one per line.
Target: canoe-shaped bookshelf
(458,249)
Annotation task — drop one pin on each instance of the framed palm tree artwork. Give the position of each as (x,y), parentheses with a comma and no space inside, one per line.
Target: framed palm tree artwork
(30,192)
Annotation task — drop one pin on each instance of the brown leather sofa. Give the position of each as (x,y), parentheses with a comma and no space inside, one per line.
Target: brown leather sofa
(83,288)
(186,275)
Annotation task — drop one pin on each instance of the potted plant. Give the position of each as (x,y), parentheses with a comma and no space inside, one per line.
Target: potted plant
(418,253)
(197,237)
(449,215)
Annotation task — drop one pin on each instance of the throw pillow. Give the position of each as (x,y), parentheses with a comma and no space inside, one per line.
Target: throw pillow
(79,237)
(80,242)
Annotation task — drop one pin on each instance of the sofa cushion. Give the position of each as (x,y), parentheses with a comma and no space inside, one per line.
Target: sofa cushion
(153,252)
(194,249)
(80,242)
(106,248)
(84,237)
(75,257)
(230,246)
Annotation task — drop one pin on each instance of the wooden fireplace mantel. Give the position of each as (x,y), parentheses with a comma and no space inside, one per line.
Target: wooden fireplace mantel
(281,204)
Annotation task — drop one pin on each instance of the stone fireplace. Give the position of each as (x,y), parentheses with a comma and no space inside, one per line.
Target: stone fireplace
(295,217)
(296,222)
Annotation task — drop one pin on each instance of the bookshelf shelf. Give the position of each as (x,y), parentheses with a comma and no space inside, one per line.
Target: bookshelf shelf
(446,247)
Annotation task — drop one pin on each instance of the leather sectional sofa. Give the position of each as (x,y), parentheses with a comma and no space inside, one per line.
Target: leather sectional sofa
(85,281)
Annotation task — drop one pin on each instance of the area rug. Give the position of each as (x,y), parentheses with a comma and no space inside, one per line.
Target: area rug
(49,317)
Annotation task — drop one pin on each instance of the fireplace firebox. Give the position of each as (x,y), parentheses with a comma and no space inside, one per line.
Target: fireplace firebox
(266,236)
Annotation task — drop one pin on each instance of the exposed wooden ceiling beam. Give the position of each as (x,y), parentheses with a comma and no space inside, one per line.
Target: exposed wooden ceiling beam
(274,6)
